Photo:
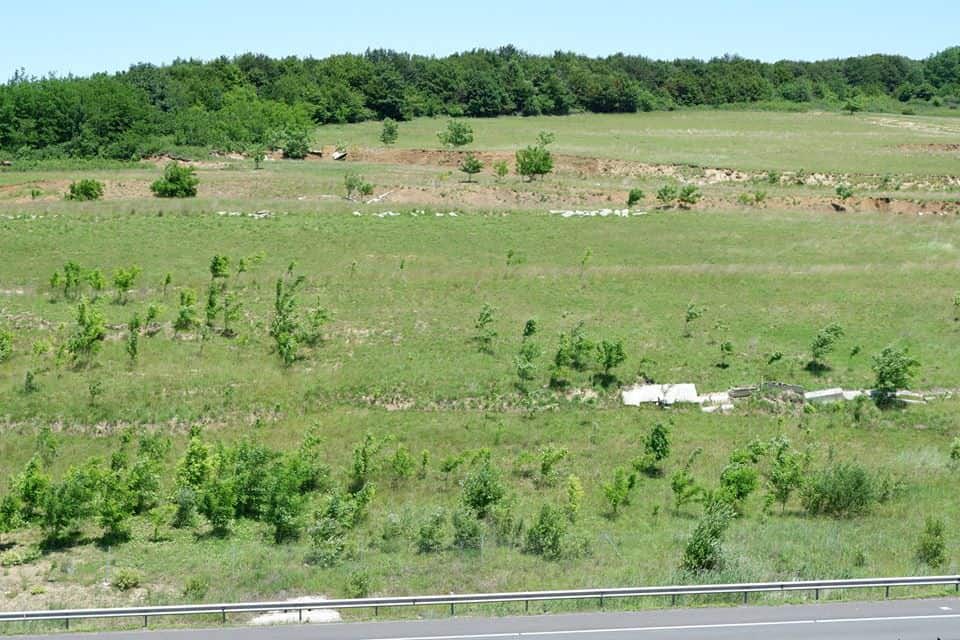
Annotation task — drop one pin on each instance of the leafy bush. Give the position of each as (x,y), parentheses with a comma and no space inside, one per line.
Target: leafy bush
(356,185)
(617,491)
(667,194)
(704,550)
(841,490)
(432,533)
(457,134)
(85,190)
(844,191)
(125,580)
(533,161)
(358,584)
(6,345)
(635,196)
(689,195)
(575,496)
(931,550)
(485,330)
(297,145)
(656,448)
(545,535)
(482,488)
(179,181)
(123,280)
(89,334)
(467,532)
(500,169)
(823,343)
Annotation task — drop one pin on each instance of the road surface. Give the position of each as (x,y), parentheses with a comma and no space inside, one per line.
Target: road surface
(893,620)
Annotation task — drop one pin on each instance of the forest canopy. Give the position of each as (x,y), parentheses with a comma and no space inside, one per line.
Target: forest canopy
(232,104)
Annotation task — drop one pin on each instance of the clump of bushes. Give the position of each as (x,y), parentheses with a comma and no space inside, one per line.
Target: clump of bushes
(85,190)
(841,490)
(178,181)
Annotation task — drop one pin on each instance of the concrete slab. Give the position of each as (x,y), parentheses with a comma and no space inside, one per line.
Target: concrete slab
(824,395)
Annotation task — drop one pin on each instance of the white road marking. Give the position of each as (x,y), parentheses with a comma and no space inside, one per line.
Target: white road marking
(945,609)
(680,627)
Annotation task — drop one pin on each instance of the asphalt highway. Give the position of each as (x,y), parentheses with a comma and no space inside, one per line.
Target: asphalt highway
(893,620)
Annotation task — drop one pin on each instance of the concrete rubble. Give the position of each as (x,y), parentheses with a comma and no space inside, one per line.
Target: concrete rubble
(723,401)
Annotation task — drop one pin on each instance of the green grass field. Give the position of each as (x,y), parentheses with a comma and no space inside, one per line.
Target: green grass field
(398,360)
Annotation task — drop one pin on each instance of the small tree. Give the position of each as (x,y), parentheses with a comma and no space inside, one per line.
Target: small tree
(467,531)
(610,355)
(178,181)
(85,190)
(575,495)
(133,338)
(123,280)
(285,327)
(693,313)
(389,132)
(501,169)
(485,332)
(525,363)
(617,491)
(89,334)
(894,370)
(259,154)
(471,165)
(457,134)
(634,197)
(656,448)
(931,550)
(823,343)
(187,313)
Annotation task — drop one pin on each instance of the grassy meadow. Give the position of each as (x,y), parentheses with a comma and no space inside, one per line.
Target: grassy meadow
(398,358)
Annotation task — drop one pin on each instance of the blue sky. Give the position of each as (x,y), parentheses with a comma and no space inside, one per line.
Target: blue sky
(84,37)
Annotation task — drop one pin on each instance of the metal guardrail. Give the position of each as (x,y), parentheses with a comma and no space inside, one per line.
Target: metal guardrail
(816,586)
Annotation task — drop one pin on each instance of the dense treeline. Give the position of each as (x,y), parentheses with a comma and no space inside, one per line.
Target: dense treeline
(253,100)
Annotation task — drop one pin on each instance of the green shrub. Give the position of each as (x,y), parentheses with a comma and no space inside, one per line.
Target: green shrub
(195,590)
(389,132)
(704,550)
(431,535)
(467,531)
(482,488)
(667,194)
(656,448)
(575,496)
(297,145)
(534,161)
(85,190)
(356,185)
(844,191)
(17,557)
(931,549)
(501,169)
(179,181)
(635,196)
(358,584)
(125,580)
(6,345)
(841,490)
(545,535)
(689,195)
(617,491)
(457,134)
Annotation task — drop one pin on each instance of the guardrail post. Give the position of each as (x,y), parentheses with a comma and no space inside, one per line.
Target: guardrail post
(526,604)
(300,615)
(144,622)
(451,609)
(745,597)
(816,594)
(223,616)
(673,599)
(886,591)
(66,622)
(376,611)
(601,600)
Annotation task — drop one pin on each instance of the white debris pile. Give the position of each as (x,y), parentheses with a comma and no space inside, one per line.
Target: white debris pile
(293,616)
(601,213)
(256,215)
(723,401)
(415,214)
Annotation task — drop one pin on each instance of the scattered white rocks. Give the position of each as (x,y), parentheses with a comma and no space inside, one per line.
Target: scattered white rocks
(293,617)
(601,213)
(416,213)
(256,215)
